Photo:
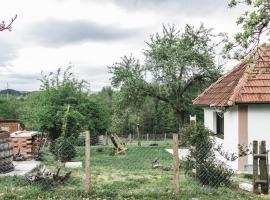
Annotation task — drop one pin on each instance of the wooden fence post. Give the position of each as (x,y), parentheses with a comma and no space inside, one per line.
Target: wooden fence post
(165,138)
(147,138)
(139,136)
(255,167)
(263,168)
(107,139)
(176,163)
(88,185)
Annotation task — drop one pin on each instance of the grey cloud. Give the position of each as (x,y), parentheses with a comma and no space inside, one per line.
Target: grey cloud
(20,81)
(20,78)
(194,7)
(57,33)
(8,52)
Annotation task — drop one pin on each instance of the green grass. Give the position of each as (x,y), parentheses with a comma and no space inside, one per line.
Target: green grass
(126,176)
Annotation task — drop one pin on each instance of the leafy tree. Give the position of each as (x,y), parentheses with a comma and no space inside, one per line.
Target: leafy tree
(63,109)
(254,24)
(178,66)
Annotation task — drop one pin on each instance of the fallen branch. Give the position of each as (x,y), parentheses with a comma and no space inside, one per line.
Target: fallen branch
(44,174)
(156,165)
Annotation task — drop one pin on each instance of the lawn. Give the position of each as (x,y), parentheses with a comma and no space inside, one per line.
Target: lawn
(128,176)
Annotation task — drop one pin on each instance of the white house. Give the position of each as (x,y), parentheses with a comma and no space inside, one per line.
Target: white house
(237,106)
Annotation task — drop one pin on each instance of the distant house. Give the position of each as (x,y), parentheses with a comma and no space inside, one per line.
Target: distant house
(10,125)
(237,106)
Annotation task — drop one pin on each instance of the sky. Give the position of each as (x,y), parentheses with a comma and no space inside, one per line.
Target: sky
(91,35)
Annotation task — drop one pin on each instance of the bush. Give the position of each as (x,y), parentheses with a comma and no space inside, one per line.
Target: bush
(202,163)
(63,149)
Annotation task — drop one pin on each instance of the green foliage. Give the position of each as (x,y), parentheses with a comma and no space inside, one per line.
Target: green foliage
(63,149)
(209,171)
(178,66)
(47,112)
(10,107)
(254,24)
(148,116)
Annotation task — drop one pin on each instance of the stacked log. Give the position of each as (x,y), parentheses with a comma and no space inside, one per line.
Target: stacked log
(6,153)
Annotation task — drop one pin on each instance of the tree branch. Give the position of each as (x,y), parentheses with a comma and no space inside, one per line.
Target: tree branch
(3,25)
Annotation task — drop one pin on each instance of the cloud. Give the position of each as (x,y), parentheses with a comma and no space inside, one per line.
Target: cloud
(8,52)
(19,81)
(57,33)
(194,7)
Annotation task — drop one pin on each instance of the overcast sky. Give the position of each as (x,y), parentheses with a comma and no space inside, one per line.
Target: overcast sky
(92,34)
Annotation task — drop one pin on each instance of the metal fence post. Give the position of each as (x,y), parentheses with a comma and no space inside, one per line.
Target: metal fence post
(176,163)
(88,185)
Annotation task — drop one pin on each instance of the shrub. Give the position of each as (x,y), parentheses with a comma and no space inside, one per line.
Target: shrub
(202,163)
(63,149)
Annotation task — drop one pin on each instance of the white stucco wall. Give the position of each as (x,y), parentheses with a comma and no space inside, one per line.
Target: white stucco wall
(231,133)
(230,142)
(208,119)
(258,124)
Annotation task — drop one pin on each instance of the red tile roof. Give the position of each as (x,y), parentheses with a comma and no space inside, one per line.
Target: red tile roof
(248,82)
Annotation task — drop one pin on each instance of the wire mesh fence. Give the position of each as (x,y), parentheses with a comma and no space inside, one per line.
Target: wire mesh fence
(203,165)
(141,169)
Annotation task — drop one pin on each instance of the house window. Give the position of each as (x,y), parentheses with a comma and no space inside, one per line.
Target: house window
(220,124)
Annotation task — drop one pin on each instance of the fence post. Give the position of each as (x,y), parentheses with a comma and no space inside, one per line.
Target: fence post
(176,163)
(147,138)
(139,136)
(87,163)
(165,138)
(263,168)
(255,167)
(107,142)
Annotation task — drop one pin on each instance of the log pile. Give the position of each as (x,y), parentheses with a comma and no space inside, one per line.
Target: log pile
(43,174)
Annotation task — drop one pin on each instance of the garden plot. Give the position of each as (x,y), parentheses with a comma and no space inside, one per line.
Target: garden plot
(127,176)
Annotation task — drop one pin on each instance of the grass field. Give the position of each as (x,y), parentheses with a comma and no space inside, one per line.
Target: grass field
(117,177)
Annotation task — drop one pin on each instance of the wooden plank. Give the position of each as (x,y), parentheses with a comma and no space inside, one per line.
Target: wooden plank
(263,156)
(261,181)
(176,163)
(255,167)
(263,168)
(88,185)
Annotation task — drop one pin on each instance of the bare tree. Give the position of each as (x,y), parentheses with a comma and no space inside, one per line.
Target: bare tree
(4,26)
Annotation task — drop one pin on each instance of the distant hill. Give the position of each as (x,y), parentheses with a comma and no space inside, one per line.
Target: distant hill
(14,92)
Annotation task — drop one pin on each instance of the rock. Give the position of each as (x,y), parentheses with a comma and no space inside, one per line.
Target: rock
(246,186)
(73,165)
